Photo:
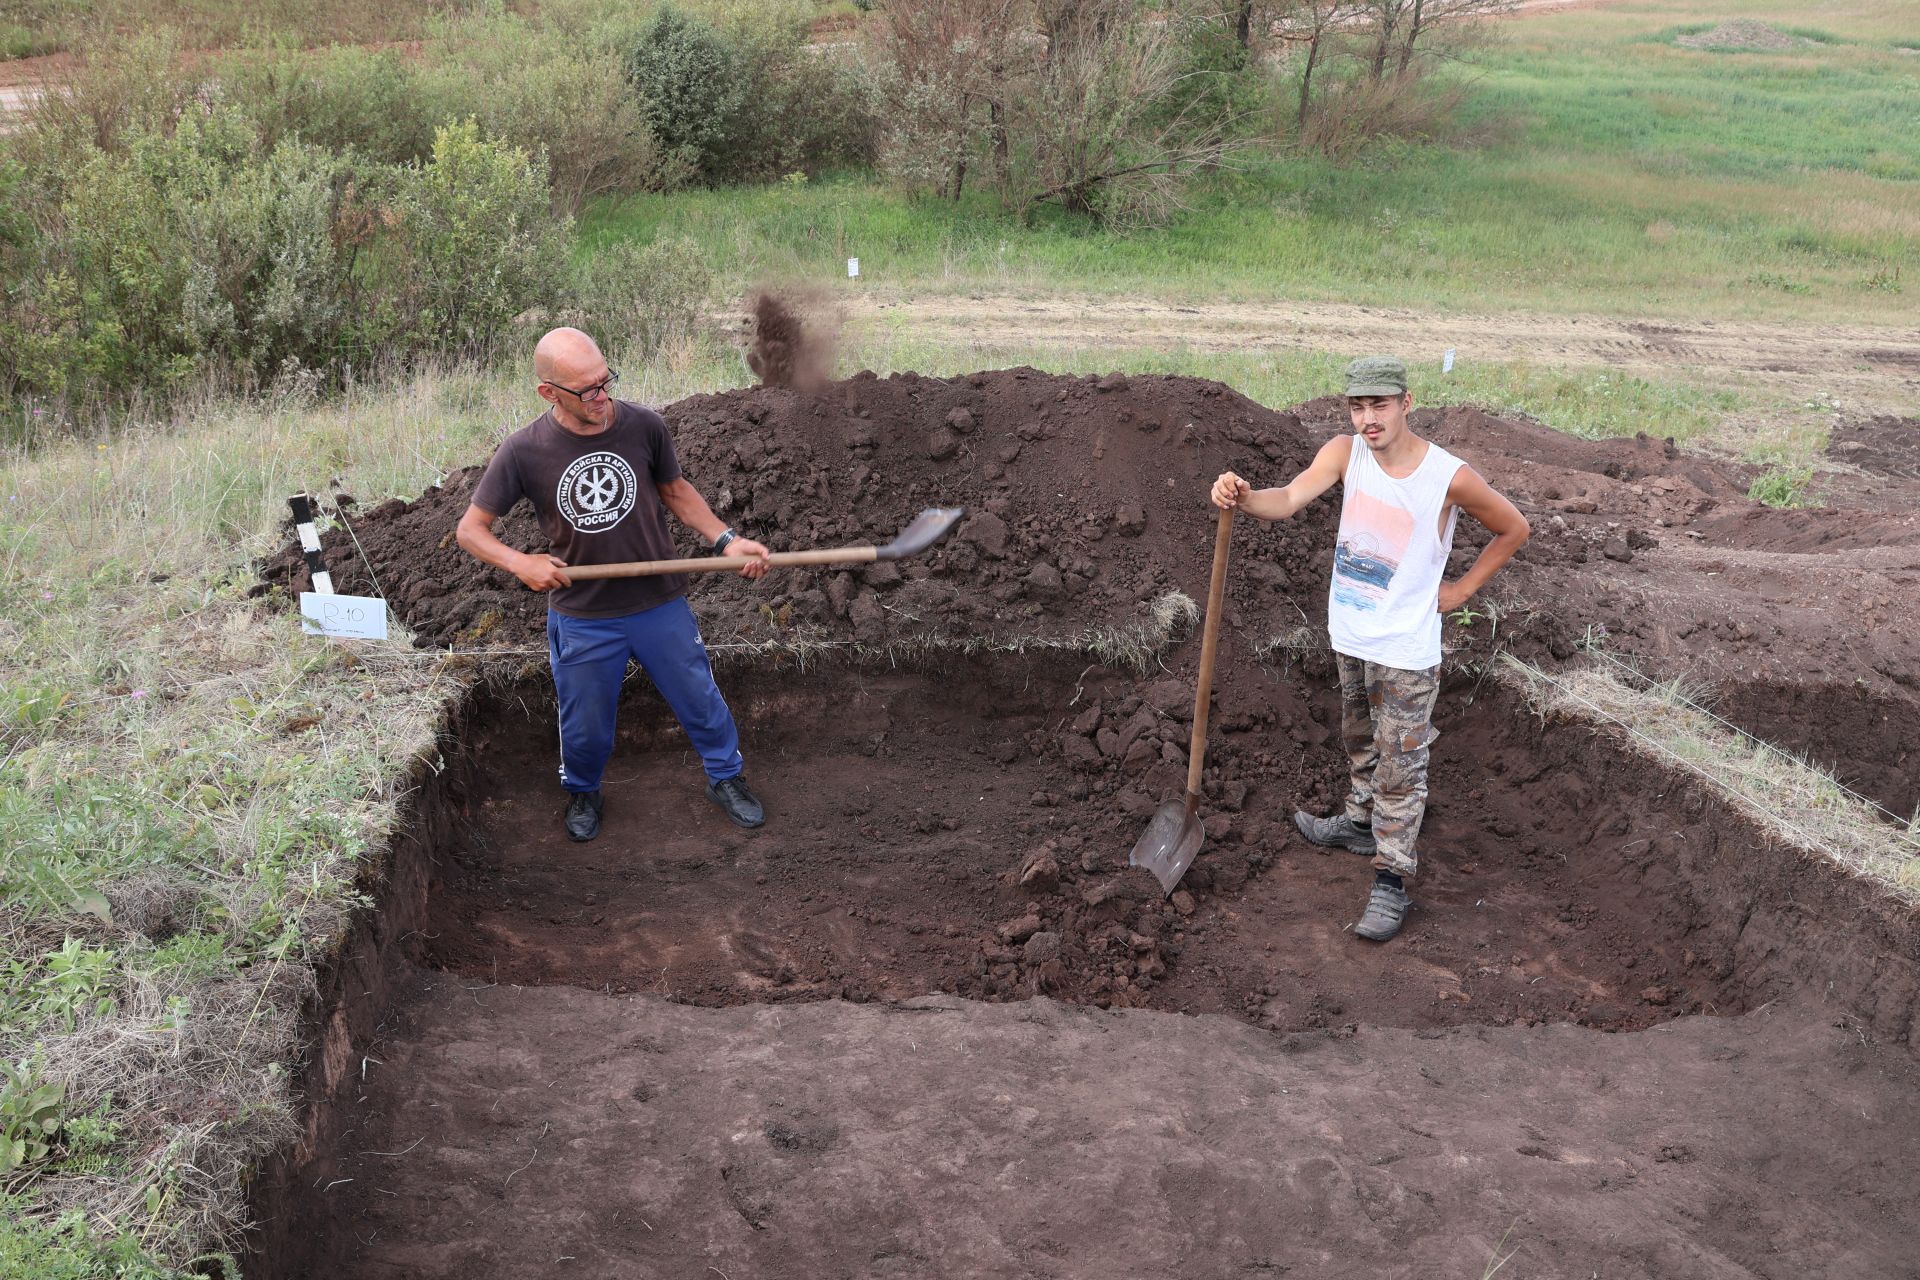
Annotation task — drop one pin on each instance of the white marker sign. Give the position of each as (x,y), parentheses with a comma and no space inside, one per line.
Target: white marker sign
(356,617)
(853,268)
(1446,361)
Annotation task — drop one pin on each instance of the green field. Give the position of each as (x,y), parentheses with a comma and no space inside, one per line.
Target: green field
(1614,172)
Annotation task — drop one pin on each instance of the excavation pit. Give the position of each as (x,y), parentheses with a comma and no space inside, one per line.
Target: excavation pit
(927,1022)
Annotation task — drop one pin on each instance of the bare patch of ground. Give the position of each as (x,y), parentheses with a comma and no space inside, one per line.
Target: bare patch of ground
(1744,35)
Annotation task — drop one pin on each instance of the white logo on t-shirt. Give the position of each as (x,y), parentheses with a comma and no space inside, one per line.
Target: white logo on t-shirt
(596,492)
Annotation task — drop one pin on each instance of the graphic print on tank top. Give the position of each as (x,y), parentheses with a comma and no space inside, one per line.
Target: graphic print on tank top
(1373,540)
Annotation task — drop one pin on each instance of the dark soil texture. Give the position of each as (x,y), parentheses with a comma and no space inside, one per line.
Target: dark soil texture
(837,1045)
(513,1132)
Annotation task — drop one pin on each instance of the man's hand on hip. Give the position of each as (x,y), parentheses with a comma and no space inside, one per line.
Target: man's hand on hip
(542,573)
(1452,596)
(752,553)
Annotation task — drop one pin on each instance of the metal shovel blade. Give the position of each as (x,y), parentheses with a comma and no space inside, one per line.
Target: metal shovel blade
(1170,843)
(927,528)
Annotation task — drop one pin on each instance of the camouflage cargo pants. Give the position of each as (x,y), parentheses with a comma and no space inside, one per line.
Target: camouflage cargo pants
(1386,720)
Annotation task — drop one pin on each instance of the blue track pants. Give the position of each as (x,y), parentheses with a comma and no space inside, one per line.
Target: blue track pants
(589,657)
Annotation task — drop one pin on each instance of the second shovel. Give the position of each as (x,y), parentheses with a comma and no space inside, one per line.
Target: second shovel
(1172,838)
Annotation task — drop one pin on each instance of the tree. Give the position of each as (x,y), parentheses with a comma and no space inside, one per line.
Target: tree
(1312,23)
(1072,102)
(1398,27)
(950,67)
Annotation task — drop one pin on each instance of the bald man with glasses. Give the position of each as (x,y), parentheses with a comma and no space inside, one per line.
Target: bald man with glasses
(602,477)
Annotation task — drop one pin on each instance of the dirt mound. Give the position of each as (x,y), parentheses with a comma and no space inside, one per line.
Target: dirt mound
(1743,35)
(1086,503)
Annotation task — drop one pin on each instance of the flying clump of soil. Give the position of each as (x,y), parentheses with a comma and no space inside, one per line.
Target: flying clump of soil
(792,340)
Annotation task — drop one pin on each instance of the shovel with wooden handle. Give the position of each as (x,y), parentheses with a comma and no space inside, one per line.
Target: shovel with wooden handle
(927,528)
(1172,838)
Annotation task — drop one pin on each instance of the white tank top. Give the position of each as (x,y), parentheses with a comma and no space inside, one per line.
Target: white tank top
(1384,602)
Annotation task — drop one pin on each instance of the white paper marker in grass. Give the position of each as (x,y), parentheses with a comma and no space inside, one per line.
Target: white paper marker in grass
(853,268)
(352,617)
(1446,361)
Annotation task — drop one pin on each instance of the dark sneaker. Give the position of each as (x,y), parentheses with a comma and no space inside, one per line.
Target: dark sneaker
(1339,832)
(1386,909)
(583,815)
(738,803)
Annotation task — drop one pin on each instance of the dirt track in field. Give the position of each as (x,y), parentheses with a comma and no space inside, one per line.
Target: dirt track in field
(1876,366)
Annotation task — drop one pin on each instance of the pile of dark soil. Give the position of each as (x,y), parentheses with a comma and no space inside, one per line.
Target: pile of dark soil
(1086,501)
(1744,35)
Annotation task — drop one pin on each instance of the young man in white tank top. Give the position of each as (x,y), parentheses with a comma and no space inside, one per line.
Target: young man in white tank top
(1400,498)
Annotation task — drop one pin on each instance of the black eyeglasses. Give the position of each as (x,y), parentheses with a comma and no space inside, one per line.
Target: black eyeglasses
(592,393)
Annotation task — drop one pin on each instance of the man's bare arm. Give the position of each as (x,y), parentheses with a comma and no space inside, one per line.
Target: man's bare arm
(475,536)
(691,510)
(1510,532)
(1328,465)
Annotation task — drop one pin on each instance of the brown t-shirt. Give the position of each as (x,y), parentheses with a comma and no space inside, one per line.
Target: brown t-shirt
(596,500)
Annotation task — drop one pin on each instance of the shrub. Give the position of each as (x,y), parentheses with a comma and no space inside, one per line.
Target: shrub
(1090,118)
(807,109)
(949,72)
(691,86)
(129,91)
(367,101)
(189,254)
(478,243)
(543,89)
(192,256)
(1357,110)
(645,299)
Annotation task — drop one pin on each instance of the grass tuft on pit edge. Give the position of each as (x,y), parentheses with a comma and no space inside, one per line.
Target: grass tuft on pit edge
(1800,803)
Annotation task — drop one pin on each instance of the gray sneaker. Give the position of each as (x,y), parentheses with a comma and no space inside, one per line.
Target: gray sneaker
(1386,909)
(1340,832)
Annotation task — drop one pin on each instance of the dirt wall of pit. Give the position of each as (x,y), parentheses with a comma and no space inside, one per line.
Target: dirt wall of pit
(354,987)
(1764,918)
(1869,741)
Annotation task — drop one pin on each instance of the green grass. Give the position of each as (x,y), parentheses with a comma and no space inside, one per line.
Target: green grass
(1782,487)
(20,41)
(1623,175)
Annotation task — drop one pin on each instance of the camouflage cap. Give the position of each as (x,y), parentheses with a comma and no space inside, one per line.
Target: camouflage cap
(1377,376)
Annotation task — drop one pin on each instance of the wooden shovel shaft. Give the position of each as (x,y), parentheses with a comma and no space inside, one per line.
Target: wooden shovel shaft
(1209,644)
(720,564)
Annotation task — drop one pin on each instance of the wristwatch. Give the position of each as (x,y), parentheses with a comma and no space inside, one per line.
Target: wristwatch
(720,543)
